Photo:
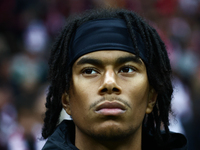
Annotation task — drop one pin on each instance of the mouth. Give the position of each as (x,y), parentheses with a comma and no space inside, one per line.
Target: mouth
(108,108)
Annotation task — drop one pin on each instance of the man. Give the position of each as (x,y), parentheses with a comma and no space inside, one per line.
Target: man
(110,71)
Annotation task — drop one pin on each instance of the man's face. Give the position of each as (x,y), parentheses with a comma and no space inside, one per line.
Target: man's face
(109,95)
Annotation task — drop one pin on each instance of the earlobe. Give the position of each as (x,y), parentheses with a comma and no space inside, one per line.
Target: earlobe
(151,100)
(65,103)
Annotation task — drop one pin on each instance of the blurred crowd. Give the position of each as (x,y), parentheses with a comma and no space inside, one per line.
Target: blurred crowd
(27,31)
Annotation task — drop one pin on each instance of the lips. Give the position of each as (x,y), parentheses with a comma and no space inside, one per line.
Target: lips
(110,108)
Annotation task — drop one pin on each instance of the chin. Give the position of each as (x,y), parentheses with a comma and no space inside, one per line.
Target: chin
(111,133)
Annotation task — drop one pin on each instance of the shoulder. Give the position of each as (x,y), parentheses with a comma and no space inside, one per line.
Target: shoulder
(60,139)
(176,141)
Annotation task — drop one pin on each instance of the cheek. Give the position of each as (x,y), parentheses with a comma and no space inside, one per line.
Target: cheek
(137,90)
(79,99)
(79,105)
(77,102)
(138,94)
(84,85)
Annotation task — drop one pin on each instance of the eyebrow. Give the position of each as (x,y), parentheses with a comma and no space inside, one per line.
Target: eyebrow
(90,61)
(120,60)
(125,59)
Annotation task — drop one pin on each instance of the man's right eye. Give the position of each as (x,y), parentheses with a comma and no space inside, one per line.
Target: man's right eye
(89,71)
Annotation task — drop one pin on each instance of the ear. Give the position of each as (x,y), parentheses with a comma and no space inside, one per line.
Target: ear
(65,103)
(151,100)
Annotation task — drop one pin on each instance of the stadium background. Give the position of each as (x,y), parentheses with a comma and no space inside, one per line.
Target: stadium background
(27,31)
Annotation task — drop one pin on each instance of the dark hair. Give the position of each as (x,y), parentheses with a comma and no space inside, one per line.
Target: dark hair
(158,69)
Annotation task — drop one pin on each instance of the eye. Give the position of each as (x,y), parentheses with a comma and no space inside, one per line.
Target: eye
(127,69)
(89,71)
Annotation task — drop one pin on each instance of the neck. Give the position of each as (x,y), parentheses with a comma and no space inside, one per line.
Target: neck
(85,142)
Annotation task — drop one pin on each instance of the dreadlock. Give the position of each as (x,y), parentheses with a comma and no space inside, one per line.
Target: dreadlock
(158,69)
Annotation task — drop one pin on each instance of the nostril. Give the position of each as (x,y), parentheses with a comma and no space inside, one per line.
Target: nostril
(115,89)
(109,90)
(104,90)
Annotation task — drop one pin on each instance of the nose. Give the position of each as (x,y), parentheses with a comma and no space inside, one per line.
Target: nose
(109,84)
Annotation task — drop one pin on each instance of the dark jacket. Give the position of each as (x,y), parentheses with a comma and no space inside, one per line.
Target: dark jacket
(64,135)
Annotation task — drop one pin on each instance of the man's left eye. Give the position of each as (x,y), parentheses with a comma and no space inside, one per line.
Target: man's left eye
(126,70)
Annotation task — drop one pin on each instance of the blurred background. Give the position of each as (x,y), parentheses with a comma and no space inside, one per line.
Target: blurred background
(27,31)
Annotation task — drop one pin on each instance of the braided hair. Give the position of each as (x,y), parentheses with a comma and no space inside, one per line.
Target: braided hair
(158,69)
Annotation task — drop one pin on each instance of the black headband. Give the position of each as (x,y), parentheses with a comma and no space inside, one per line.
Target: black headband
(104,34)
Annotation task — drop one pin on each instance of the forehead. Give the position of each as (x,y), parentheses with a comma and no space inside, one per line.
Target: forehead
(108,57)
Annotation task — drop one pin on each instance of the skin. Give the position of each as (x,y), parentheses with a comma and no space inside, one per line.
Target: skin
(108,99)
